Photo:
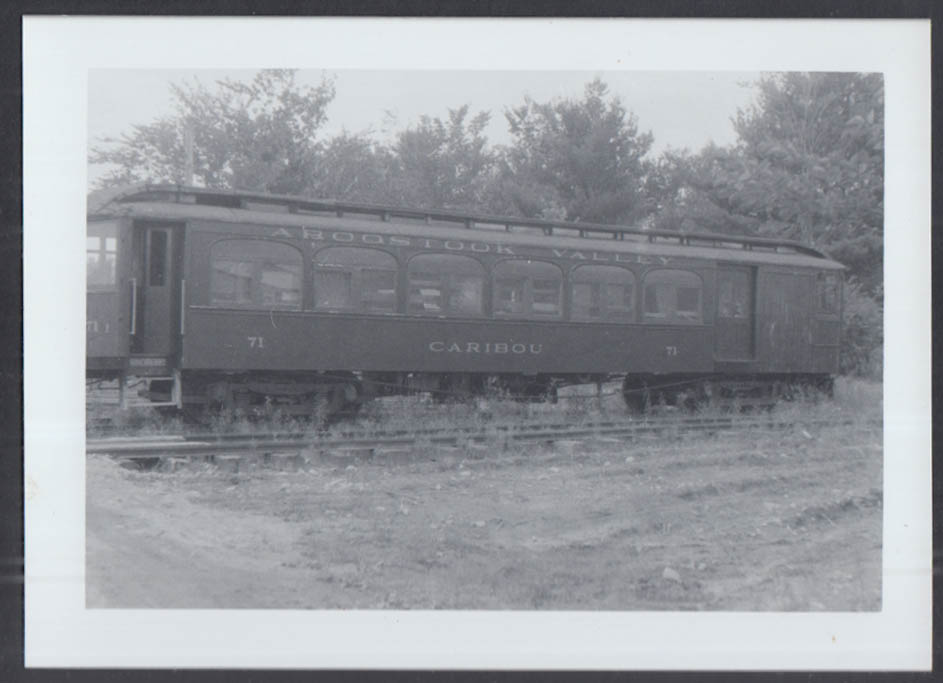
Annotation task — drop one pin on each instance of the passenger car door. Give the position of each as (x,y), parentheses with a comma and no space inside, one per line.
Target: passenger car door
(735,314)
(156,281)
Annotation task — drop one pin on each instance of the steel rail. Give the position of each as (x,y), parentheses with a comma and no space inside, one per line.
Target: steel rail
(187,445)
(356,435)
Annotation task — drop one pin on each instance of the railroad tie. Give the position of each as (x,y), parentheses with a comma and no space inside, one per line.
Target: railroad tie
(228,463)
(395,456)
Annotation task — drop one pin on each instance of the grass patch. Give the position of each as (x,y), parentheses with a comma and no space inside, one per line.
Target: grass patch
(577,406)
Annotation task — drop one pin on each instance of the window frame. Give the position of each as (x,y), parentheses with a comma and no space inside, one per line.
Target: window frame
(257,265)
(527,291)
(158,256)
(602,288)
(101,253)
(447,285)
(672,316)
(358,302)
(748,302)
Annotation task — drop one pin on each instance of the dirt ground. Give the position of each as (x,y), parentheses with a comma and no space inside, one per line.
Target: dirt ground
(743,520)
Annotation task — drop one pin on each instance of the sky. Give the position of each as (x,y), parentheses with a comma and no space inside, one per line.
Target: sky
(682,109)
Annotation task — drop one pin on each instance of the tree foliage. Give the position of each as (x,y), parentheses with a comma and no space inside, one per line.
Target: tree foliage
(443,163)
(808,165)
(582,160)
(862,340)
(675,187)
(260,135)
(353,167)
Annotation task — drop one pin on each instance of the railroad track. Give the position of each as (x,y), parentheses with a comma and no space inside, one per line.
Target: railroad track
(193,445)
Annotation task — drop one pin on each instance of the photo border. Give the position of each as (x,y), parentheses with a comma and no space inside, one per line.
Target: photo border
(60,632)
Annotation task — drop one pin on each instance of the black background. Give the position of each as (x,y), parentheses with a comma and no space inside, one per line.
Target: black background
(11,312)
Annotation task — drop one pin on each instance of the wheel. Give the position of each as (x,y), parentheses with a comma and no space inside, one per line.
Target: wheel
(353,396)
(325,402)
(539,392)
(335,401)
(637,397)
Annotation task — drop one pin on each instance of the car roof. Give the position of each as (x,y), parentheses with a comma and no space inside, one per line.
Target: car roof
(187,203)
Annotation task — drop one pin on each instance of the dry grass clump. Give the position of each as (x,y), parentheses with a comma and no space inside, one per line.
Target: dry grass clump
(857,395)
(576,406)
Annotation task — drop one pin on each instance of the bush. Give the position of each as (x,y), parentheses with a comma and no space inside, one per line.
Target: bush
(863,333)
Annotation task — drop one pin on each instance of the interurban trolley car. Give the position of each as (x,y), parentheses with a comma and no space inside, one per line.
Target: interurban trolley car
(249,301)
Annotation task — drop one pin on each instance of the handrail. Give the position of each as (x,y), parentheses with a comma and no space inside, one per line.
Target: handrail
(183,307)
(134,306)
(238,199)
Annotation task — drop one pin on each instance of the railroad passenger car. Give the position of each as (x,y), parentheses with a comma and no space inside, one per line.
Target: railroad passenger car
(250,301)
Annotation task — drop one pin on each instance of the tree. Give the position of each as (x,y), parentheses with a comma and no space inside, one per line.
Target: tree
(674,188)
(443,164)
(260,135)
(582,160)
(809,166)
(354,167)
